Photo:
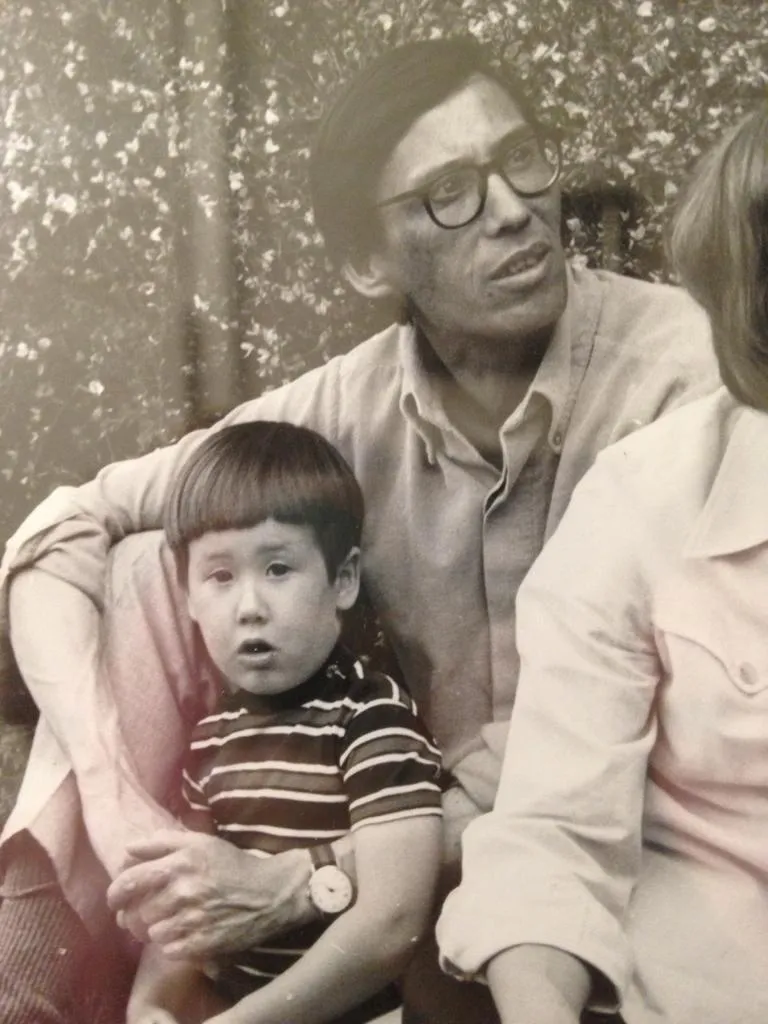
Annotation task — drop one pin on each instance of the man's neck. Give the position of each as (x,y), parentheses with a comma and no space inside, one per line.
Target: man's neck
(479,393)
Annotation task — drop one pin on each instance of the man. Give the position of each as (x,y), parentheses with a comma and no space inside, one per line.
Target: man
(468,424)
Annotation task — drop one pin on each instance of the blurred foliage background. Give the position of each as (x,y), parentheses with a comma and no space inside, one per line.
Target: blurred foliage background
(159,257)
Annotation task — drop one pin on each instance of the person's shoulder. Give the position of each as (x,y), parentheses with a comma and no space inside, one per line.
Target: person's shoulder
(620,289)
(377,356)
(662,318)
(369,379)
(366,686)
(677,453)
(330,397)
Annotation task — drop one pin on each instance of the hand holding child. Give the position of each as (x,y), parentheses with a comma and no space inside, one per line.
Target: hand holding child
(197,895)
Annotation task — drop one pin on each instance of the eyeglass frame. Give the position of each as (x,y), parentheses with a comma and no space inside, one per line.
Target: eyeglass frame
(484,170)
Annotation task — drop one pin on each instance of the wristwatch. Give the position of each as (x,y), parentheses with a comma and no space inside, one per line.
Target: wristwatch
(331,891)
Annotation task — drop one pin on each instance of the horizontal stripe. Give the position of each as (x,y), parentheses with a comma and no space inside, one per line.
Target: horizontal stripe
(267,730)
(379,734)
(383,794)
(315,768)
(381,760)
(289,780)
(253,972)
(223,716)
(416,812)
(355,706)
(273,830)
(278,794)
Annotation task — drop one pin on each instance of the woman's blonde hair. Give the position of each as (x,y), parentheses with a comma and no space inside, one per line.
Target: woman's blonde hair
(719,247)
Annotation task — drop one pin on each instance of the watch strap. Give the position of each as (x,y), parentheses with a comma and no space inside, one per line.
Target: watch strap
(322,855)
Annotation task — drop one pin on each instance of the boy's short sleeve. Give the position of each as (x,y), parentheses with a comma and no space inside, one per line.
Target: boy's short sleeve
(389,761)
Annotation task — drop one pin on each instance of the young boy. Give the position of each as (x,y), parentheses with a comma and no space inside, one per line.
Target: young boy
(265,522)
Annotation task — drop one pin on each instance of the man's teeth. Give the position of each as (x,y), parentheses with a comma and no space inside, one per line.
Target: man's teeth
(525,263)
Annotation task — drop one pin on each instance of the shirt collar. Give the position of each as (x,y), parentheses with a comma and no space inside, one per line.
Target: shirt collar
(420,404)
(336,671)
(735,515)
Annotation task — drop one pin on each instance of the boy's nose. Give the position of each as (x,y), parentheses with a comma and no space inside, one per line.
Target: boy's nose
(251,605)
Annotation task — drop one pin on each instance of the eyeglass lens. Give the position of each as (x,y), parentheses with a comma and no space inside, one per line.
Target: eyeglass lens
(458,197)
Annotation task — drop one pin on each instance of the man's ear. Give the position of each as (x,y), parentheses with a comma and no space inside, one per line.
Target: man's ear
(369,274)
(347,584)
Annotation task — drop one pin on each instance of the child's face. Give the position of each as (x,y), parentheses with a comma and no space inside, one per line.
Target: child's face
(266,609)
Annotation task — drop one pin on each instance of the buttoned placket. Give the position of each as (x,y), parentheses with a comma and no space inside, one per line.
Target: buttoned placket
(516,519)
(516,510)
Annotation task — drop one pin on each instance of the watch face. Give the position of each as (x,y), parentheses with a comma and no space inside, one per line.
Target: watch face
(330,889)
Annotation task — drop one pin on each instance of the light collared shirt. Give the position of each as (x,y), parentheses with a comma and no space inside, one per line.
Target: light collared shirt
(448,537)
(631,823)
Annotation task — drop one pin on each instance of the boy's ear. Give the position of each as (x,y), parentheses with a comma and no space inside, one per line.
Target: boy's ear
(347,584)
(369,274)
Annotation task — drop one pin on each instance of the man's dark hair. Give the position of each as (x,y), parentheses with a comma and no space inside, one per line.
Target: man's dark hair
(357,135)
(244,474)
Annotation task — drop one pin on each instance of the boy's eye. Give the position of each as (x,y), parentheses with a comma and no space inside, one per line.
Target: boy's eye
(220,576)
(278,569)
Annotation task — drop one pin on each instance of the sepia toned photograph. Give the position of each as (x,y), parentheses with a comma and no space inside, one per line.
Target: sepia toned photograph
(383,601)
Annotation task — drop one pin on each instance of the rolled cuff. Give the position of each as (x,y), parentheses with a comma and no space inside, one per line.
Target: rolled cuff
(476,924)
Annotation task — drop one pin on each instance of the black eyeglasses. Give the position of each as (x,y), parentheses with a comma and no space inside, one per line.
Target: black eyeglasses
(457,197)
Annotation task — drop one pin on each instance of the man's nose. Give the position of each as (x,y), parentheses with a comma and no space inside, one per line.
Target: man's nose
(503,206)
(252,604)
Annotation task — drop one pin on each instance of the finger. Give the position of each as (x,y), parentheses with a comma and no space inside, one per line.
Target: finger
(187,947)
(137,882)
(175,925)
(179,949)
(161,843)
(133,923)
(157,1017)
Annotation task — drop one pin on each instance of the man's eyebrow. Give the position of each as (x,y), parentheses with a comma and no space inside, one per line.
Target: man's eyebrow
(519,134)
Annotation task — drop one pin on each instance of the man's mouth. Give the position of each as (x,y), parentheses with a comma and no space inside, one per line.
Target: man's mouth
(520,262)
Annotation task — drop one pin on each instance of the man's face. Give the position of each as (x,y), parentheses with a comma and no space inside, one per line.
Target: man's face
(500,278)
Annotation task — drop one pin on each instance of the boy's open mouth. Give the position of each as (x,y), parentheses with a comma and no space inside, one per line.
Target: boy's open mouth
(255,647)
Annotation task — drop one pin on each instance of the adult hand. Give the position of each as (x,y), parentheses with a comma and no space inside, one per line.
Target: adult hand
(198,896)
(154,1016)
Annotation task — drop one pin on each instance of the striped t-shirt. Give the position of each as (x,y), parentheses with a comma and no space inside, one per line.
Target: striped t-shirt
(343,750)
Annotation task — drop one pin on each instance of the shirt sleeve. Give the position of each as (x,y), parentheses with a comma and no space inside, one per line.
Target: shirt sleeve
(70,533)
(390,763)
(554,863)
(68,536)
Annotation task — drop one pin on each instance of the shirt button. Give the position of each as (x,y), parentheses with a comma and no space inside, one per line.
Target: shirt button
(748,674)
(557,440)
